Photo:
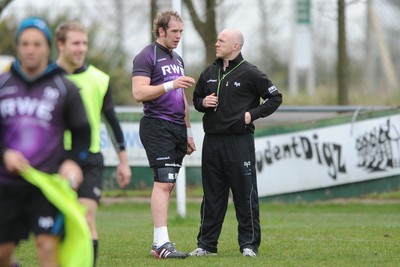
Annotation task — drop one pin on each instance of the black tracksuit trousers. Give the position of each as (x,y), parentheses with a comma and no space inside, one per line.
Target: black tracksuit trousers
(228,163)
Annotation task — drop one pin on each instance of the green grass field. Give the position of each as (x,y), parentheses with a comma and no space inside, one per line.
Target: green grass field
(318,234)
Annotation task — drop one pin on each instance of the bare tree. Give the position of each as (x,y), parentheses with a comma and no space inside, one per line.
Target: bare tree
(342,70)
(205,24)
(153,14)
(111,17)
(394,3)
(383,46)
(267,29)
(4,4)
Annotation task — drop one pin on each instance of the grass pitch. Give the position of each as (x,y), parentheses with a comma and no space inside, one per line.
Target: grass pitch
(318,234)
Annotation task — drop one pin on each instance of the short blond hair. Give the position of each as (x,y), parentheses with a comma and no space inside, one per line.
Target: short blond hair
(63,29)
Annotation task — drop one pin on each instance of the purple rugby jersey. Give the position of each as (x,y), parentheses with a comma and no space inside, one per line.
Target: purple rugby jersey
(33,121)
(160,65)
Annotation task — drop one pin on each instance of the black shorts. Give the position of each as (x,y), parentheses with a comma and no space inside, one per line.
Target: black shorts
(92,184)
(24,209)
(165,142)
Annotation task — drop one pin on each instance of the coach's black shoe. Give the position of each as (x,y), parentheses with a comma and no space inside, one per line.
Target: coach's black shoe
(167,251)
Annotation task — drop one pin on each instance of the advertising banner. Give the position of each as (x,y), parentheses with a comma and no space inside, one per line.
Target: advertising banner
(328,156)
(300,160)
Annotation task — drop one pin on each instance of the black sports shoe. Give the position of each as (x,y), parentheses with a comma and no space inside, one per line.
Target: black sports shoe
(167,251)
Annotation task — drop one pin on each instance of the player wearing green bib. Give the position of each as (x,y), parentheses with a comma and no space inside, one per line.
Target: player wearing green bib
(94,87)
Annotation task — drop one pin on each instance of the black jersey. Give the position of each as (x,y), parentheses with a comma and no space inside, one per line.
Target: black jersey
(239,89)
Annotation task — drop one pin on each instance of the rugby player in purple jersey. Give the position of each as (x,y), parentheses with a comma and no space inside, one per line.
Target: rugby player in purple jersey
(159,81)
(37,104)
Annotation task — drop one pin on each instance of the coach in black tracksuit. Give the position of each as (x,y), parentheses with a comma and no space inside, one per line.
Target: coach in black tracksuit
(229,92)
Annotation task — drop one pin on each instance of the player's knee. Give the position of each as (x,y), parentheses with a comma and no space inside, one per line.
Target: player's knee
(170,187)
(6,254)
(47,246)
(166,174)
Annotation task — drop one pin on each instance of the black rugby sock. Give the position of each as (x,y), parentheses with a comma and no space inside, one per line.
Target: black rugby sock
(95,249)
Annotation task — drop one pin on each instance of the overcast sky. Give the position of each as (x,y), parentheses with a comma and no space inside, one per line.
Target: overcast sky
(243,15)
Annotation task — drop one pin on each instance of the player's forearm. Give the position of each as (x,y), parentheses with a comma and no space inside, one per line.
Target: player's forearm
(123,157)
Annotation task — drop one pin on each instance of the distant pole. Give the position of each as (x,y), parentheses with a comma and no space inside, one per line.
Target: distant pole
(181,181)
(302,59)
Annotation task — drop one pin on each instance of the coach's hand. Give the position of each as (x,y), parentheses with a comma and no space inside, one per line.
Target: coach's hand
(210,101)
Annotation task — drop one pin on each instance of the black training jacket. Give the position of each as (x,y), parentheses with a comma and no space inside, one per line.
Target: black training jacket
(239,88)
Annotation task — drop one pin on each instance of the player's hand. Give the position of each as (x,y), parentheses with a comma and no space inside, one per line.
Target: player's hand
(191,147)
(123,174)
(71,171)
(184,82)
(14,161)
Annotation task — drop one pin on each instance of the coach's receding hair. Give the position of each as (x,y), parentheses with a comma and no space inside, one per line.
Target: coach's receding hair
(64,28)
(163,20)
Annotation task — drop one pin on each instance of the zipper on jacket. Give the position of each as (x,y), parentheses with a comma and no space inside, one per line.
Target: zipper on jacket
(223,77)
